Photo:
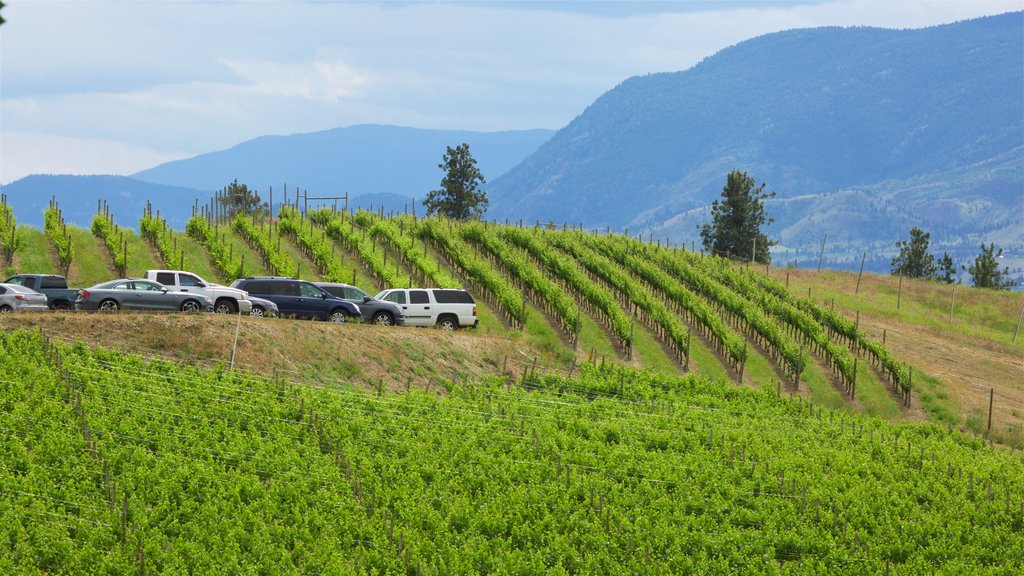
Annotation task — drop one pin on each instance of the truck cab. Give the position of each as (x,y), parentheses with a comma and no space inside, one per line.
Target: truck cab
(226,300)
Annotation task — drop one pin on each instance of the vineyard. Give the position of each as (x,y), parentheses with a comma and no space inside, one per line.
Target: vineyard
(631,407)
(116,463)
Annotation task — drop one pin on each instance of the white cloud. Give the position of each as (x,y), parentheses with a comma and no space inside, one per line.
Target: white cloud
(176,78)
(34,153)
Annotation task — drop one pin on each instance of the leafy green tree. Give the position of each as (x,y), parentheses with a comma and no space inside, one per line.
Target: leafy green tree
(735,229)
(985,272)
(914,260)
(459,197)
(947,269)
(238,199)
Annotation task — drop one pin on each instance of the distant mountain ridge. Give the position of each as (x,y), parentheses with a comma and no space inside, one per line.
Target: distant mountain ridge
(361,159)
(377,165)
(816,114)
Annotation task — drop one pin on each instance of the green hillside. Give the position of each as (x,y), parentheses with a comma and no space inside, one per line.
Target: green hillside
(575,296)
(112,463)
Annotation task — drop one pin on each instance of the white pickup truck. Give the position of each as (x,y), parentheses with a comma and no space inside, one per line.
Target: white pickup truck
(226,300)
(447,309)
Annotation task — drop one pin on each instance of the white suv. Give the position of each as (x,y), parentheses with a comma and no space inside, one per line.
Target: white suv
(446,308)
(225,300)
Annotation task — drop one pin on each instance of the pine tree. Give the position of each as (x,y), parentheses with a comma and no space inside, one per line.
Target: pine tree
(735,229)
(947,269)
(985,272)
(459,197)
(914,260)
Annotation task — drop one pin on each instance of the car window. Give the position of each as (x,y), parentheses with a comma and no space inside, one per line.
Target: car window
(148,287)
(52,282)
(418,297)
(189,280)
(334,291)
(398,297)
(165,278)
(16,281)
(124,286)
(3,290)
(307,290)
(353,293)
(453,297)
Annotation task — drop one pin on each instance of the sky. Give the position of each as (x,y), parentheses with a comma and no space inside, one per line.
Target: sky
(93,87)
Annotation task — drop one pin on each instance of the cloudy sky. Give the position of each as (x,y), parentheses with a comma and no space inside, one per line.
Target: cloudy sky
(91,87)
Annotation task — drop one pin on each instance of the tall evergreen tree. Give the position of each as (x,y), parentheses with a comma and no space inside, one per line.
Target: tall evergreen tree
(238,199)
(459,197)
(914,260)
(947,269)
(735,229)
(985,272)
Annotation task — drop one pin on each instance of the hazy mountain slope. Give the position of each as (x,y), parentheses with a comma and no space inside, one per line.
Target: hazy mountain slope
(77,197)
(363,159)
(811,113)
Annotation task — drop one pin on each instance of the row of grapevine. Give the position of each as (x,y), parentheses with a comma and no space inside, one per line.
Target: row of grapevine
(675,263)
(278,262)
(601,303)
(487,281)
(10,240)
(316,246)
(516,263)
(224,259)
(154,229)
(392,231)
(665,323)
(57,233)
(104,228)
(158,467)
(340,229)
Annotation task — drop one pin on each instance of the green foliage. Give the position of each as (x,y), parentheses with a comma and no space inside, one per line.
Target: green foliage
(57,232)
(229,264)
(394,233)
(154,230)
(985,272)
(238,199)
(735,229)
(459,197)
(277,261)
(10,240)
(914,260)
(315,245)
(614,471)
(104,228)
(947,269)
(341,229)
(508,298)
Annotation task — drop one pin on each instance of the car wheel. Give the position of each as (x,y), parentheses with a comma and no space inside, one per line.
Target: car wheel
(61,306)
(257,311)
(448,323)
(383,319)
(109,305)
(339,316)
(5,308)
(190,306)
(225,306)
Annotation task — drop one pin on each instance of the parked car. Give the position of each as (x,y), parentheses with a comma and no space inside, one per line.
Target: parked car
(298,298)
(139,294)
(18,298)
(58,295)
(448,309)
(376,311)
(262,307)
(225,300)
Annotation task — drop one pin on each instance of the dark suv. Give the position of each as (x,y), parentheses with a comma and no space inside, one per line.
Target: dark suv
(299,298)
(376,311)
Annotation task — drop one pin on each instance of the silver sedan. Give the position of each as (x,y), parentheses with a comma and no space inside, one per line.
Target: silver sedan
(136,294)
(19,298)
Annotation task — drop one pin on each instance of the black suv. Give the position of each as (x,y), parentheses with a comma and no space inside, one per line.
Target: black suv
(299,298)
(376,311)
